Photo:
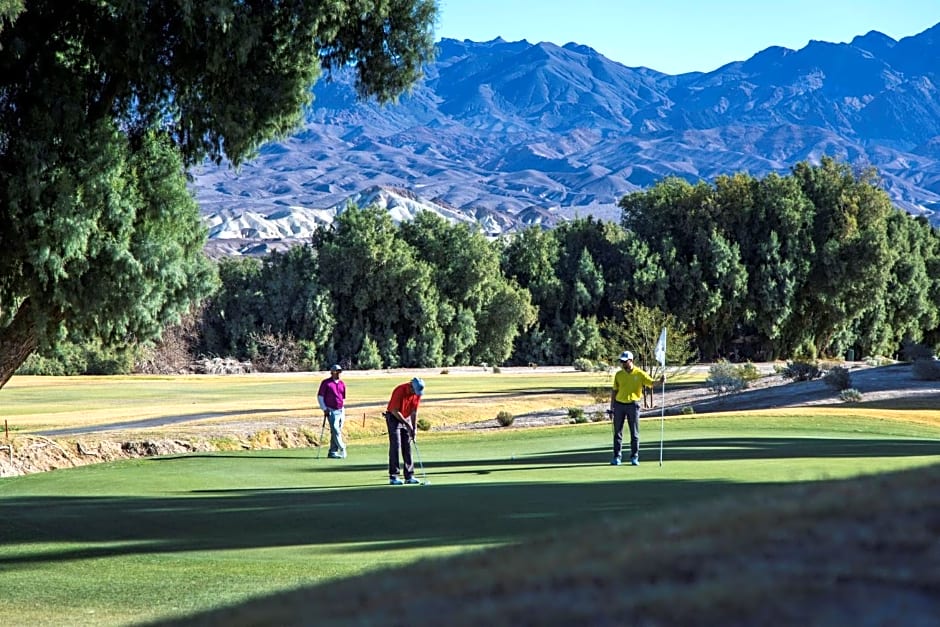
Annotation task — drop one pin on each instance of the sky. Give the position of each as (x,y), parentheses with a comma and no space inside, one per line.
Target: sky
(676,36)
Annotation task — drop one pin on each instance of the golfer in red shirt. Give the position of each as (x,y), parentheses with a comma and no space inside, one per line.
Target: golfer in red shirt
(401,418)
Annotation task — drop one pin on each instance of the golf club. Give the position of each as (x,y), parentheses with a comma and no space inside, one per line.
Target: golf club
(320,441)
(420,463)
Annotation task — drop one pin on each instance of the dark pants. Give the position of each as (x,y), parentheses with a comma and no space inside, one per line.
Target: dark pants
(399,439)
(630,412)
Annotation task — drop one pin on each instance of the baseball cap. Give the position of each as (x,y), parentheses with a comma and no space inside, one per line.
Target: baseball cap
(626,356)
(336,368)
(418,386)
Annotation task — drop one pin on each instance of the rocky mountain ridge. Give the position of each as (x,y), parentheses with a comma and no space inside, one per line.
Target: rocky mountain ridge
(514,133)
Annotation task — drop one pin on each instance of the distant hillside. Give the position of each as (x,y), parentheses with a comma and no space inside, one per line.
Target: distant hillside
(500,130)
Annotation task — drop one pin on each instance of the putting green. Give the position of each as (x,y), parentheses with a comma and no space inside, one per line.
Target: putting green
(154,538)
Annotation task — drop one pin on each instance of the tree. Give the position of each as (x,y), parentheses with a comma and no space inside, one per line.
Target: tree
(104,106)
(684,224)
(851,257)
(278,295)
(379,289)
(465,269)
(907,311)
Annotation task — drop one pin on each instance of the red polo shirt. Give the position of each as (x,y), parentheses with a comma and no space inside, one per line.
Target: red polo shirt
(404,400)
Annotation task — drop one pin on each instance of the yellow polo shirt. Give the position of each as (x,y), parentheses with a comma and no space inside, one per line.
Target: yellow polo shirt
(628,386)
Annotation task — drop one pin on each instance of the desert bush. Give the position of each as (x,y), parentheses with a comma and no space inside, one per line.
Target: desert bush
(801,371)
(445,371)
(688,410)
(496,370)
(598,416)
(424,424)
(838,378)
(927,369)
(576,415)
(582,364)
(723,378)
(748,372)
(504,418)
(275,352)
(175,350)
(850,395)
(878,360)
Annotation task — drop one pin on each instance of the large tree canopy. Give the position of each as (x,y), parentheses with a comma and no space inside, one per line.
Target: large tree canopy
(103,106)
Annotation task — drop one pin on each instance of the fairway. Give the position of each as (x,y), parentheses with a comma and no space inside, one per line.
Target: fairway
(126,542)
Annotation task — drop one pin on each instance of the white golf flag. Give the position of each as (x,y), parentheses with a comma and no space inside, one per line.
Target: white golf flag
(660,351)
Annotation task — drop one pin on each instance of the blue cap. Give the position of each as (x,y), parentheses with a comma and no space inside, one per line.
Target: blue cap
(418,386)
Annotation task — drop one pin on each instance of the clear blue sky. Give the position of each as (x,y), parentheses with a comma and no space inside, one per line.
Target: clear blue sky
(675,36)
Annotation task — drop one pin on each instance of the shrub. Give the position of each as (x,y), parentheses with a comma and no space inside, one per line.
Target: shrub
(504,418)
(424,424)
(445,371)
(688,410)
(838,378)
(74,359)
(576,415)
(496,370)
(598,416)
(927,369)
(723,378)
(368,357)
(850,395)
(582,364)
(600,393)
(748,372)
(801,371)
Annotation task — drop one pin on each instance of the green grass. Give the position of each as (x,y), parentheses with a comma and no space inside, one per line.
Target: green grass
(149,539)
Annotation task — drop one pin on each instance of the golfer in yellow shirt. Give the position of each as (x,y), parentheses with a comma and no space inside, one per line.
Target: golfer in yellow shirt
(625,395)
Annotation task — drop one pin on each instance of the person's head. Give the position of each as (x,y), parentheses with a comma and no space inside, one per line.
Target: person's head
(418,386)
(626,360)
(335,371)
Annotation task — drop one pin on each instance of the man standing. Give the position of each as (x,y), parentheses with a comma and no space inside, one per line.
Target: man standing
(401,418)
(331,396)
(627,391)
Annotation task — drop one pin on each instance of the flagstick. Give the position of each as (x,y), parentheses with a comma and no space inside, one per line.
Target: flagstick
(662,418)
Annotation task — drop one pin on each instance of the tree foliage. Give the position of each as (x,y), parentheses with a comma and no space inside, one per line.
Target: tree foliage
(103,107)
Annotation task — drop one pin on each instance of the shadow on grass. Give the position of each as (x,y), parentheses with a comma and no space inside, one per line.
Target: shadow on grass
(372,518)
(719,449)
(377,517)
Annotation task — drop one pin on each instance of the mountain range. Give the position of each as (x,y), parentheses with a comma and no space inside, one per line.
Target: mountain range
(509,134)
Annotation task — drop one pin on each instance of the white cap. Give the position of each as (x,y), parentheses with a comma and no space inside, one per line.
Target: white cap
(626,356)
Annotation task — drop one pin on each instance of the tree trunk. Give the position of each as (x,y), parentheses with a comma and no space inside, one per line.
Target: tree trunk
(17,342)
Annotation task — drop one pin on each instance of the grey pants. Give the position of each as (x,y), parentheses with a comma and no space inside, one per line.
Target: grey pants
(399,439)
(337,446)
(631,413)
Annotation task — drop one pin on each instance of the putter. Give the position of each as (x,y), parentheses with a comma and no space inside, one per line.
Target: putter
(320,441)
(420,463)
